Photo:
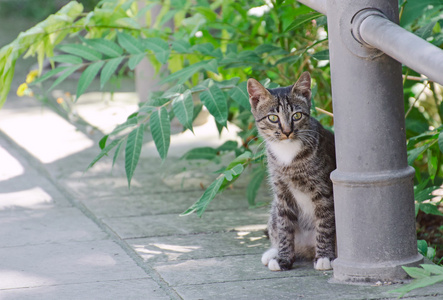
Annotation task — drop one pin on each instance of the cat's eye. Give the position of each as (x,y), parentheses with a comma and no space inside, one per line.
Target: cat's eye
(297,116)
(273,118)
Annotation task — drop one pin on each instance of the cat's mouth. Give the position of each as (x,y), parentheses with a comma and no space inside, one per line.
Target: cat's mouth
(287,139)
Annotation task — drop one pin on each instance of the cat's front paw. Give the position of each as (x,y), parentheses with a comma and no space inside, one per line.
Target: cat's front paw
(273,265)
(323,264)
(269,255)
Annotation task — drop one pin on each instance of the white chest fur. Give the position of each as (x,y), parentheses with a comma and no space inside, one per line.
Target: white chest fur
(285,151)
(304,203)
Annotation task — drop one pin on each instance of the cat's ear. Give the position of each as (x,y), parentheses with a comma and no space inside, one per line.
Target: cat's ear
(303,86)
(256,92)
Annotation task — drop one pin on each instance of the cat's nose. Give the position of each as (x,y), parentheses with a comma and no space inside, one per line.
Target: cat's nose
(287,133)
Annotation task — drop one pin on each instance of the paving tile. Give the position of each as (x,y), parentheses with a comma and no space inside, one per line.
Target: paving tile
(164,203)
(54,264)
(199,246)
(173,224)
(49,225)
(102,290)
(290,288)
(227,269)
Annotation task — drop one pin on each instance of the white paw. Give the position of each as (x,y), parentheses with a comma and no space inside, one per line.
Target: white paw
(273,265)
(268,256)
(323,263)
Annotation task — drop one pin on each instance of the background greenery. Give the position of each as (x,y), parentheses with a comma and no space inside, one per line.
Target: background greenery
(208,53)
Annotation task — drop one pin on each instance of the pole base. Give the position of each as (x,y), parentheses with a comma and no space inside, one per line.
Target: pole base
(355,272)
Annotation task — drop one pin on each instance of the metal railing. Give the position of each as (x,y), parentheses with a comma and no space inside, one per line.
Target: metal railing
(373,184)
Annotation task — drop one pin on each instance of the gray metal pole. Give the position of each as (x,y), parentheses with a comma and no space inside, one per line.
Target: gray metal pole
(414,52)
(373,184)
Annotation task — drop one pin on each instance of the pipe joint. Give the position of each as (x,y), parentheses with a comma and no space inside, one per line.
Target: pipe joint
(358,19)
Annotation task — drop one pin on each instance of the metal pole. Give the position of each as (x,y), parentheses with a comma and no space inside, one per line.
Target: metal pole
(373,184)
(377,31)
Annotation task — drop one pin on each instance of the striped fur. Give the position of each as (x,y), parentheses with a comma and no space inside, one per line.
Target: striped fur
(301,156)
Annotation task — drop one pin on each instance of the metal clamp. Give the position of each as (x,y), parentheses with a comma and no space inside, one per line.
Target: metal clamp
(350,33)
(358,19)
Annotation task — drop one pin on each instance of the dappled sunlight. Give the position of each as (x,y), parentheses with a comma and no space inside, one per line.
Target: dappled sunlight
(106,110)
(45,135)
(19,279)
(172,252)
(10,167)
(33,198)
(250,238)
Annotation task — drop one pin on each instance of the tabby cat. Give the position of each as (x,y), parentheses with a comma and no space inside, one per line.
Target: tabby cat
(301,156)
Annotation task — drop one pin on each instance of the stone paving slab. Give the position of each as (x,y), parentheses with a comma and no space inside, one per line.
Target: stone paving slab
(199,246)
(132,205)
(53,264)
(228,269)
(40,226)
(173,224)
(102,290)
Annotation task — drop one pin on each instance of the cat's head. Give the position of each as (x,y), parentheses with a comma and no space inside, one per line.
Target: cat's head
(281,113)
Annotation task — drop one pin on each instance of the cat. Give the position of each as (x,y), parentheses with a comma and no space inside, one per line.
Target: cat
(301,156)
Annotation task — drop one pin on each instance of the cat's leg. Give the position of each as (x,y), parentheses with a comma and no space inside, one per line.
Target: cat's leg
(272,252)
(325,236)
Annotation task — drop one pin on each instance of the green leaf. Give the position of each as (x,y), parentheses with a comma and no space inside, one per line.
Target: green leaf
(130,43)
(321,55)
(106,47)
(134,60)
(240,95)
(109,69)
(415,153)
(105,152)
(185,73)
(422,247)
(200,206)
(48,75)
(159,47)
(254,185)
(64,75)
(418,283)
(206,153)
(181,46)
(425,194)
(430,208)
(183,107)
(88,76)
(66,58)
(82,51)
(117,153)
(415,272)
(434,269)
(440,141)
(302,19)
(267,48)
(133,150)
(228,146)
(244,159)
(161,131)
(214,100)
(102,142)
(130,123)
(211,66)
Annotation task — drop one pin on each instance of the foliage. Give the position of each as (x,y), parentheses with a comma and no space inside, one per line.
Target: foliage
(213,48)
(426,251)
(425,276)
(208,53)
